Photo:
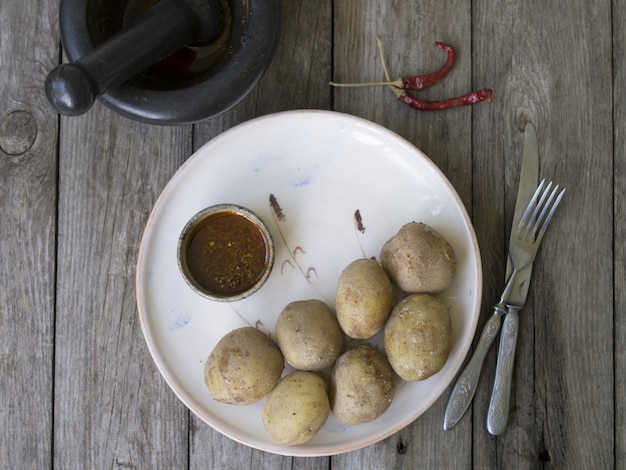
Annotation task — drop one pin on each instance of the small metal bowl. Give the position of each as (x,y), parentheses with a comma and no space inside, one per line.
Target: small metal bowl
(225,252)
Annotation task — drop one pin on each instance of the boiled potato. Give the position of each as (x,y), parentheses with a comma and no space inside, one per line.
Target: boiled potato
(417,337)
(297,408)
(309,335)
(243,367)
(362,385)
(364,299)
(418,259)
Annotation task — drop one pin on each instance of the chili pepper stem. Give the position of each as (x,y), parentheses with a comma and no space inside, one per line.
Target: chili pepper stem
(379,43)
(398,91)
(394,83)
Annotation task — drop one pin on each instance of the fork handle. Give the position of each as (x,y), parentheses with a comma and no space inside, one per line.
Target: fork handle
(498,413)
(465,386)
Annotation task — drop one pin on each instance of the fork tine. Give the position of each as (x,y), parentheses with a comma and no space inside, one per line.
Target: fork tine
(529,209)
(539,213)
(531,227)
(551,213)
(544,207)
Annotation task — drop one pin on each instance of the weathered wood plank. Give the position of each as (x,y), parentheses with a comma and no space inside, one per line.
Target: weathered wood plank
(552,67)
(28,166)
(498,147)
(408,31)
(297,79)
(619,230)
(112,409)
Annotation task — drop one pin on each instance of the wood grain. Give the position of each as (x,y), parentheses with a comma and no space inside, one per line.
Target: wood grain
(107,390)
(619,227)
(532,51)
(28,167)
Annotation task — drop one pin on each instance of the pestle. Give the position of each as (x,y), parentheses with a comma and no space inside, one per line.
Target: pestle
(169,25)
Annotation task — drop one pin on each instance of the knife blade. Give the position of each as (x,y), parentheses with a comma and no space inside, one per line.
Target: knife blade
(465,386)
(528,181)
(498,412)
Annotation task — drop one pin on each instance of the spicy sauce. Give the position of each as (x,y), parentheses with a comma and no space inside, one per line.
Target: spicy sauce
(228,254)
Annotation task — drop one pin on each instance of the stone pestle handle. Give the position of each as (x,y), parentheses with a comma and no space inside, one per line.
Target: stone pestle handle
(165,28)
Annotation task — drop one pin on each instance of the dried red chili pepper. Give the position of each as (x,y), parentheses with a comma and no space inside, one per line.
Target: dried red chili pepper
(426,80)
(418,82)
(464,100)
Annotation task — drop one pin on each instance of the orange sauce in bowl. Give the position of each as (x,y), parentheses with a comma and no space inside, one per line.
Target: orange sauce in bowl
(227,254)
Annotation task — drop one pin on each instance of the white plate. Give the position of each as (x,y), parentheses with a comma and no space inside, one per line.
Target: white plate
(321,167)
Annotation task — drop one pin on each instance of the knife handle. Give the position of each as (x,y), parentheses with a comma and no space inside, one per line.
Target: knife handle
(498,413)
(465,386)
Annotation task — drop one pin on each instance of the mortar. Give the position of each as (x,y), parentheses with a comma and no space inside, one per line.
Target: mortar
(162,62)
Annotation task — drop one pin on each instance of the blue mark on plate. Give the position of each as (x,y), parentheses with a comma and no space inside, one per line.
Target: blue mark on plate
(180,322)
(302,181)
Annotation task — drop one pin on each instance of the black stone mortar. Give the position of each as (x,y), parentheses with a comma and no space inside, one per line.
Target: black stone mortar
(162,62)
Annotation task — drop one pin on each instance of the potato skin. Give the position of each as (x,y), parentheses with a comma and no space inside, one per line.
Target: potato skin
(243,367)
(362,385)
(364,298)
(297,408)
(418,259)
(417,337)
(309,335)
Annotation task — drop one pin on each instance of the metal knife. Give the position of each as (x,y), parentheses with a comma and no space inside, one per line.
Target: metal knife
(497,415)
(465,386)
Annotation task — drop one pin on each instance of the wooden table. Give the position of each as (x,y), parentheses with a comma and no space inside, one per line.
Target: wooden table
(79,388)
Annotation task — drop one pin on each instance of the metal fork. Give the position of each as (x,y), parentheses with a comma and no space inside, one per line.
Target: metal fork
(533,224)
(523,250)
